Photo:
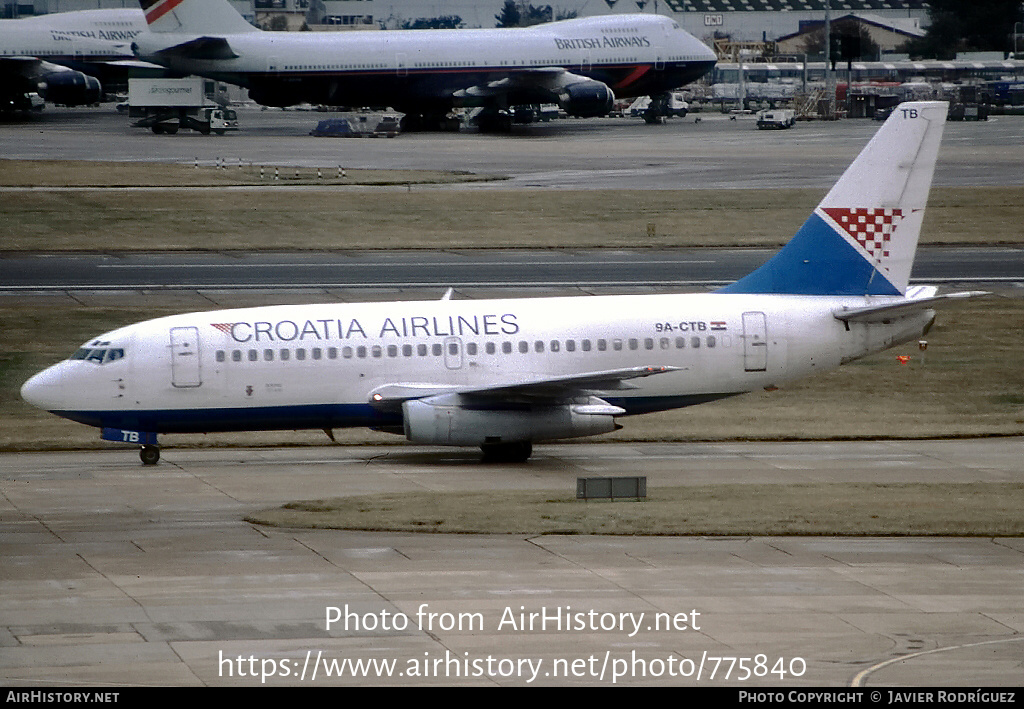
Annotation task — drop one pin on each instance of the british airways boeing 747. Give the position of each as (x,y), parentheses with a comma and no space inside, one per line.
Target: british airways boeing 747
(581,64)
(504,374)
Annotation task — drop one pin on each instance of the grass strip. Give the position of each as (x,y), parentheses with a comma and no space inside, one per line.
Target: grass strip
(829,509)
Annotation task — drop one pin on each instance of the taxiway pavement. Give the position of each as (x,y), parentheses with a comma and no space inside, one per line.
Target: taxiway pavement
(118,574)
(604,153)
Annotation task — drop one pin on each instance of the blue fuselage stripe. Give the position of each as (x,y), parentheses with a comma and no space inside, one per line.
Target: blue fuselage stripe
(308,416)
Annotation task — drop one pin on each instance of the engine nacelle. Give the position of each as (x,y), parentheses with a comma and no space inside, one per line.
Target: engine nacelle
(586,99)
(448,421)
(70,88)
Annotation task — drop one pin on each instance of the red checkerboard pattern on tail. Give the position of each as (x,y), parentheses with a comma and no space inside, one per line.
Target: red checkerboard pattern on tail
(871,228)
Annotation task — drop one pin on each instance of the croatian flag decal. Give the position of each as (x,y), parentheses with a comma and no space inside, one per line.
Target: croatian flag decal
(869,227)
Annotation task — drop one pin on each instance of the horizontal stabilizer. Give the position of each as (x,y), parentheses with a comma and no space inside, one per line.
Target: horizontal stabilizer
(902,308)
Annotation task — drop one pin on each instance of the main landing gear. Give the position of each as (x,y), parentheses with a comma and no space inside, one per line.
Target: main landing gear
(507,452)
(149,454)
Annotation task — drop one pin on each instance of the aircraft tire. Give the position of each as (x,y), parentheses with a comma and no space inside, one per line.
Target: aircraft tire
(150,455)
(507,452)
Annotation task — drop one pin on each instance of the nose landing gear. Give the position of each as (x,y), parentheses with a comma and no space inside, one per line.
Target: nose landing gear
(149,454)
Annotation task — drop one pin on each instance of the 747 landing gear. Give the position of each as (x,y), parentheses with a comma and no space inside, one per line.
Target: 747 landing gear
(518,452)
(149,454)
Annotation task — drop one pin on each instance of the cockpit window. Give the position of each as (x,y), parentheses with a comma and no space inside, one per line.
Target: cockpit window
(99,355)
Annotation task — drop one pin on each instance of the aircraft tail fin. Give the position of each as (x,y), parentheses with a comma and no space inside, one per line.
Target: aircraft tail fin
(862,237)
(201,17)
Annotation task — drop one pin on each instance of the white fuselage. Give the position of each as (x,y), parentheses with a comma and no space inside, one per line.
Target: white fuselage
(318,366)
(88,35)
(632,54)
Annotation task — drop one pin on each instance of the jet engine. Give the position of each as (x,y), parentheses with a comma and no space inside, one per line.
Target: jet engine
(451,420)
(586,99)
(70,88)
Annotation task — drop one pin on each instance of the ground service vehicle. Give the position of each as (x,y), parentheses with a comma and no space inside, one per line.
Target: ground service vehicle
(166,105)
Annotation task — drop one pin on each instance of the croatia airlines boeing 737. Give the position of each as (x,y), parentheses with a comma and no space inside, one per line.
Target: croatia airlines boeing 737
(66,56)
(503,374)
(580,64)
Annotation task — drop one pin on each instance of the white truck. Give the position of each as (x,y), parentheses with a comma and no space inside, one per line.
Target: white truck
(165,105)
(777,118)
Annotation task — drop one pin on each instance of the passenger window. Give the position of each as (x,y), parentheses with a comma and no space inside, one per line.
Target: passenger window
(664,343)
(586,345)
(268,355)
(555,346)
(407,350)
(680,343)
(471,348)
(617,345)
(421,350)
(332,353)
(695,342)
(453,348)
(253,356)
(570,345)
(377,351)
(346,353)
(317,353)
(602,345)
(506,347)
(236,355)
(285,354)
(524,346)
(538,346)
(361,352)
(633,343)
(711,340)
(220,355)
(300,354)
(648,343)
(436,350)
(490,348)
(392,350)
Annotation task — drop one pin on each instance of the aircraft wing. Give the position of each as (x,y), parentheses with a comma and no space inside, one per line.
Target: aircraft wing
(537,389)
(26,67)
(546,79)
(902,308)
(576,94)
(200,48)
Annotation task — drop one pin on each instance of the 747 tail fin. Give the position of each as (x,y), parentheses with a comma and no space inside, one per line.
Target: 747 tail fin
(202,17)
(862,237)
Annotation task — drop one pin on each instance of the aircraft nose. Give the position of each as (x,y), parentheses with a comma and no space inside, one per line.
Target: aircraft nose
(46,390)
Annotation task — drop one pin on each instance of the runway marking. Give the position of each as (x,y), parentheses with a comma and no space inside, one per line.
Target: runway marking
(863,674)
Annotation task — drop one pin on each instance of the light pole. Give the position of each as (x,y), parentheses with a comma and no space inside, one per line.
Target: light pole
(830,80)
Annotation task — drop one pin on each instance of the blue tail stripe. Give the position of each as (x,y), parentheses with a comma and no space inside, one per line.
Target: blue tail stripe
(817,261)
